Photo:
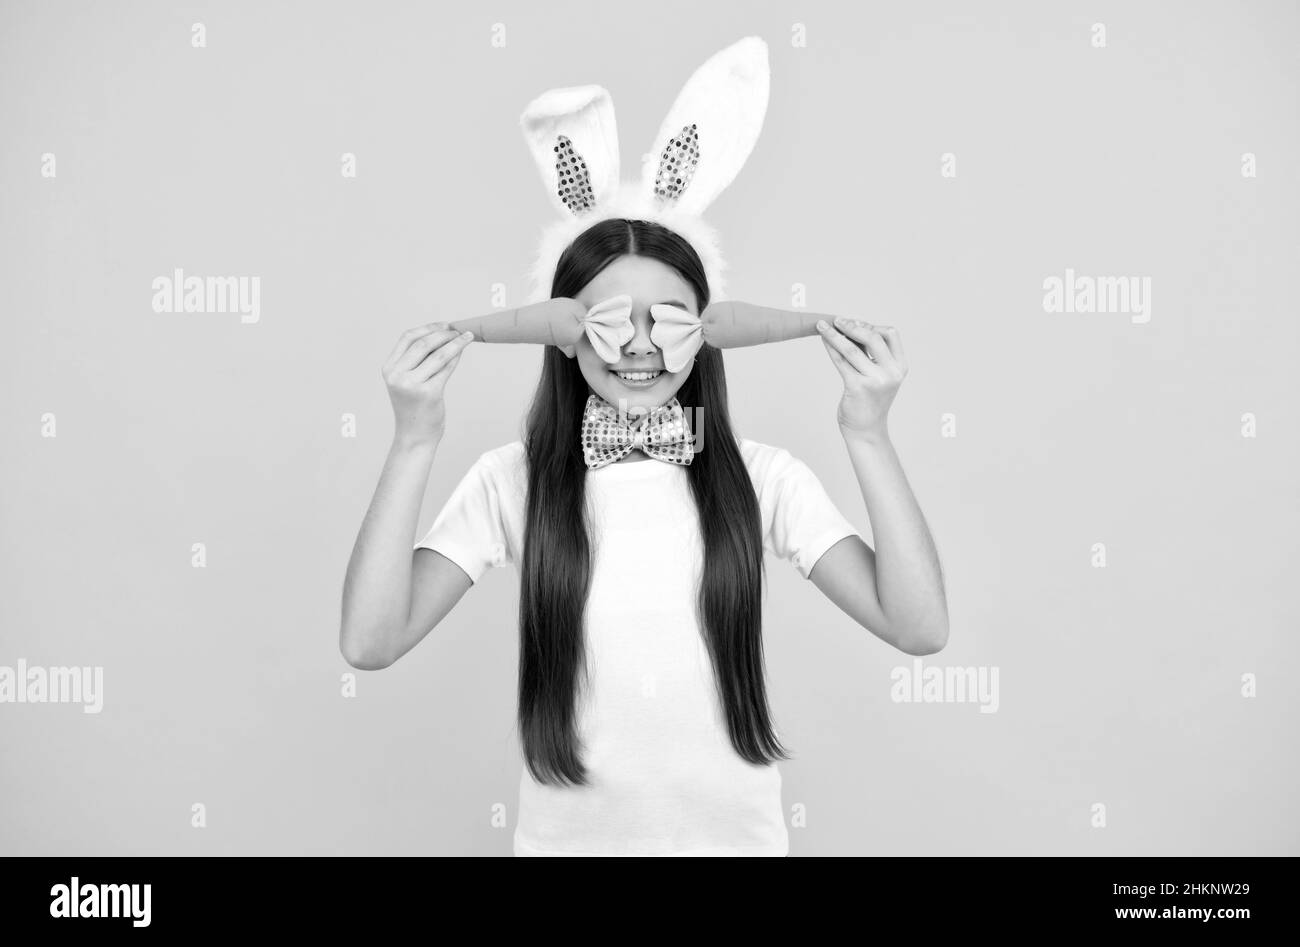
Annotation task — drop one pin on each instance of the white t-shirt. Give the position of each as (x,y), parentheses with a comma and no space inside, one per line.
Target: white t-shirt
(665,779)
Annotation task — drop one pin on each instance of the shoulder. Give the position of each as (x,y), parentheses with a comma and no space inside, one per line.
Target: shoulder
(507,457)
(504,469)
(777,474)
(766,461)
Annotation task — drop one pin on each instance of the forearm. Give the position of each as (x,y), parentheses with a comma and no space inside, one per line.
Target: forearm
(909,582)
(377,589)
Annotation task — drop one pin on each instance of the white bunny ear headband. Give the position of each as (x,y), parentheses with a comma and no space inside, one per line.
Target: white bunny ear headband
(703,142)
(701,146)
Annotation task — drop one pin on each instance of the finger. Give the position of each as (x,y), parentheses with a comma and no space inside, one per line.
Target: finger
(434,369)
(406,338)
(847,371)
(421,347)
(842,357)
(865,334)
(895,341)
(441,357)
(439,377)
(852,354)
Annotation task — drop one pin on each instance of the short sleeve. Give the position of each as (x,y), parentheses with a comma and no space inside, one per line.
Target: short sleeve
(804,520)
(470,528)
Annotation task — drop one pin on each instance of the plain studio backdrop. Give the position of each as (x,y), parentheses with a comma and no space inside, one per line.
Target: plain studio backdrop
(1040,444)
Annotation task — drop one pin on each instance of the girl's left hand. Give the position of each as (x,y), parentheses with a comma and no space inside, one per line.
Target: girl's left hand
(871,361)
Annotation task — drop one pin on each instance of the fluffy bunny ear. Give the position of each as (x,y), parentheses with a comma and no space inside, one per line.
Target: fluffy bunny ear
(711,128)
(574,141)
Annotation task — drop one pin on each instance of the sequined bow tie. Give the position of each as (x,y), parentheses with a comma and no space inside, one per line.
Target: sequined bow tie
(678,332)
(608,437)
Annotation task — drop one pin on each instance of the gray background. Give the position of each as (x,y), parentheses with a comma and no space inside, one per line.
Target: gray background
(222,685)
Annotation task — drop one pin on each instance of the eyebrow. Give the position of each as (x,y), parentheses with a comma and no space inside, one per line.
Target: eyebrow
(672,302)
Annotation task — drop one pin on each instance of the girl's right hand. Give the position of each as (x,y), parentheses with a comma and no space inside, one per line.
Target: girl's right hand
(416,374)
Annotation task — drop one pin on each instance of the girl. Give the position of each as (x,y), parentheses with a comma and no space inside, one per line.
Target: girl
(636,517)
(643,714)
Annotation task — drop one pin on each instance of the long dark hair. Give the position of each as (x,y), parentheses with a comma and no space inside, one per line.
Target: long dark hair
(555,574)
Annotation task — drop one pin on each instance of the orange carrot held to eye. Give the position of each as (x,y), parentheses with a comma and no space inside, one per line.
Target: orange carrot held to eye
(732,325)
(550,322)
(726,325)
(680,333)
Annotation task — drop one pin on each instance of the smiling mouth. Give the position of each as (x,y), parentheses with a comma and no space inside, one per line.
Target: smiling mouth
(642,376)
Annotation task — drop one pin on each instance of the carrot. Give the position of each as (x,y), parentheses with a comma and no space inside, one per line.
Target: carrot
(731,325)
(727,324)
(550,322)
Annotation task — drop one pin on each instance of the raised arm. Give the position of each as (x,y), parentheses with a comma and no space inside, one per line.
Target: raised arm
(381,617)
(896,591)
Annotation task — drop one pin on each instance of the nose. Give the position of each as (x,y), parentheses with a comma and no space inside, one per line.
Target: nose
(640,344)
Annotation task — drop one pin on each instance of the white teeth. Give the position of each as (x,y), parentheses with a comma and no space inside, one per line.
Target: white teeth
(638,376)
